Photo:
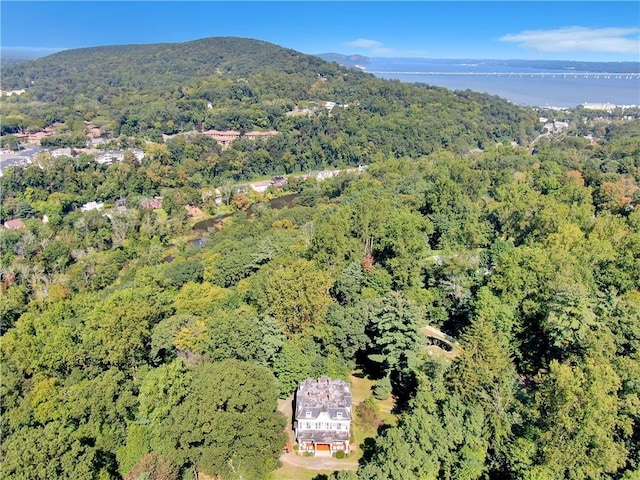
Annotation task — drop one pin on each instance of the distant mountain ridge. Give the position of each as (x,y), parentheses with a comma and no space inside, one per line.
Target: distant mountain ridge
(346,60)
(168,63)
(230,83)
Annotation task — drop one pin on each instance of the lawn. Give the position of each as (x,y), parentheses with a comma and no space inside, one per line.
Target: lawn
(362,387)
(289,472)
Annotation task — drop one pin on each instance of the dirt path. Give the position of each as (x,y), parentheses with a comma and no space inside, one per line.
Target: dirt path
(286,408)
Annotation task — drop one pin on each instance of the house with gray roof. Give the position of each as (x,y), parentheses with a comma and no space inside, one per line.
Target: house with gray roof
(323,416)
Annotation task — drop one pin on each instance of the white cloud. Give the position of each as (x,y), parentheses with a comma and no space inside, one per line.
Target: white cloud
(375,47)
(578,39)
(364,43)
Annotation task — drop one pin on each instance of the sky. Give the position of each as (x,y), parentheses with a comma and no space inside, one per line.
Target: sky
(573,30)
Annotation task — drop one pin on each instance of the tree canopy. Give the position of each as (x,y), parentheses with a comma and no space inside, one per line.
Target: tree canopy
(138,342)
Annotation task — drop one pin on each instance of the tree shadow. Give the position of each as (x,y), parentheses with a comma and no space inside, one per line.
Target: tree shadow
(367,368)
(368,447)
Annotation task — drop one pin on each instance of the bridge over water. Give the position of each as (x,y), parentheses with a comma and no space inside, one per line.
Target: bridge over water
(588,75)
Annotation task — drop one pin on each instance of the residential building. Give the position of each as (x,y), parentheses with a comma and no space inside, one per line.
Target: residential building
(61,152)
(90,206)
(225,138)
(279,181)
(9,93)
(323,416)
(110,156)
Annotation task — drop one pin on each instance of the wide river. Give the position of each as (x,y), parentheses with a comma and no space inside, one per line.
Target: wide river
(522,86)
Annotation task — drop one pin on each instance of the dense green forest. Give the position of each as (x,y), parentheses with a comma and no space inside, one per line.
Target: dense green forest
(230,83)
(134,346)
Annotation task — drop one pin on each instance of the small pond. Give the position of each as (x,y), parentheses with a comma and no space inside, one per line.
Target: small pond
(286,201)
(216,223)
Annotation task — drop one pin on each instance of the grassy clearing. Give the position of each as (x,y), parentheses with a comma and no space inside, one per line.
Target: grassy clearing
(362,387)
(289,472)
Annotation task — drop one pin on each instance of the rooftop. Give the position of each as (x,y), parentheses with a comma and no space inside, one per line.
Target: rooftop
(323,395)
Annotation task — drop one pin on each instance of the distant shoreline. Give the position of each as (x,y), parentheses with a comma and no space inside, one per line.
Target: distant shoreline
(521,83)
(529,66)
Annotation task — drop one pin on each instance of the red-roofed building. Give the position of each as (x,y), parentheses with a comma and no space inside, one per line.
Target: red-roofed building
(225,138)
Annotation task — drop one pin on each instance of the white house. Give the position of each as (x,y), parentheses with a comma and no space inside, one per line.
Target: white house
(61,152)
(90,206)
(111,156)
(323,416)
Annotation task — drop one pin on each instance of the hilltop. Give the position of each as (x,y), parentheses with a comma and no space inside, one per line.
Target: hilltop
(146,65)
(347,60)
(236,83)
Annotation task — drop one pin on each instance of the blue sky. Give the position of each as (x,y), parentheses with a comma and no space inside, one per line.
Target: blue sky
(574,30)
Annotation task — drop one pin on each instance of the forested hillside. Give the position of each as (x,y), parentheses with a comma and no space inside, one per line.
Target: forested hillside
(137,346)
(231,83)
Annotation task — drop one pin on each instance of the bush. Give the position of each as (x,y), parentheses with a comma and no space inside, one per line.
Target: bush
(179,273)
(340,454)
(367,414)
(382,390)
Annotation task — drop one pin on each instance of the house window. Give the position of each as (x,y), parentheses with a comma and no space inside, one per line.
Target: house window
(338,426)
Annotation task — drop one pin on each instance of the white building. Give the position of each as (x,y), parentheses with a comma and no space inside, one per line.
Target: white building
(61,152)
(90,206)
(323,416)
(111,156)
(9,93)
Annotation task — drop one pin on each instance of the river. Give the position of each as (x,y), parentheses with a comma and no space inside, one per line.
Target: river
(519,85)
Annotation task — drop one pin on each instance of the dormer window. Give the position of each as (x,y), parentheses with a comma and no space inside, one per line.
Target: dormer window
(339,414)
(307,414)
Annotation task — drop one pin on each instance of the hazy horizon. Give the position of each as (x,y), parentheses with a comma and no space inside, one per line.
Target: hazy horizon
(32,53)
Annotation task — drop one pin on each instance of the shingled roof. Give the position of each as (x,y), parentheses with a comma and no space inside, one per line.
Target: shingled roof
(323,395)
